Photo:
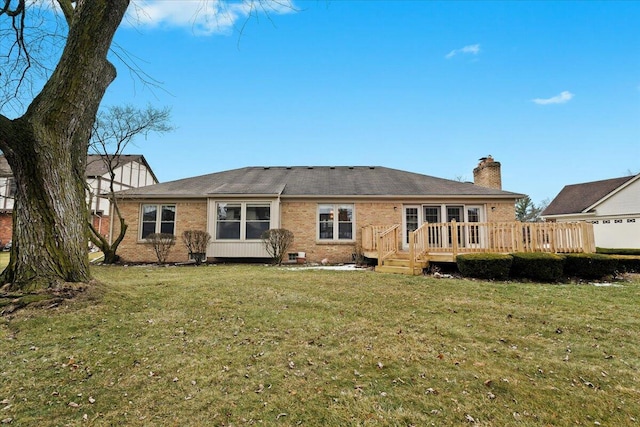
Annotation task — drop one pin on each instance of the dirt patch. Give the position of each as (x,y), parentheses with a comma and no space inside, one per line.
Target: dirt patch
(10,302)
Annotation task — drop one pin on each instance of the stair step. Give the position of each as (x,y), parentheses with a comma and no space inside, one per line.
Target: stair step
(417,271)
(397,262)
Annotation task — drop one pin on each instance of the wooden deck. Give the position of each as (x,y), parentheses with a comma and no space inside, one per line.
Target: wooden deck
(443,242)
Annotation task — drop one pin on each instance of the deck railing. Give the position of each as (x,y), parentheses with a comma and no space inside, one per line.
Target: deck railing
(500,237)
(387,242)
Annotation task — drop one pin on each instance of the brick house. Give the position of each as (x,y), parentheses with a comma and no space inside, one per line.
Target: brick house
(611,205)
(326,208)
(130,171)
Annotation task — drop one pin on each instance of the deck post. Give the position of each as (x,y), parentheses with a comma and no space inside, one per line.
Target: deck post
(379,238)
(454,238)
(412,251)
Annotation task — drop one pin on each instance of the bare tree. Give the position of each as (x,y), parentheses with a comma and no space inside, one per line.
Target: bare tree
(277,241)
(46,143)
(113,130)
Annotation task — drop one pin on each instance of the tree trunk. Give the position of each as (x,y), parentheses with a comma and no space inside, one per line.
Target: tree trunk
(47,148)
(49,228)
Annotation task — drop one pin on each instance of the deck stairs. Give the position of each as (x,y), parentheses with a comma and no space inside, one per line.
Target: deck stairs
(400,263)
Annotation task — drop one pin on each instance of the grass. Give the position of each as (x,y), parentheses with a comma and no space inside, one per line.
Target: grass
(244,345)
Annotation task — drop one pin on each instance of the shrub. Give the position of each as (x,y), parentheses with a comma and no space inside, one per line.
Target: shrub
(276,242)
(161,244)
(628,264)
(196,242)
(538,266)
(617,251)
(485,265)
(590,266)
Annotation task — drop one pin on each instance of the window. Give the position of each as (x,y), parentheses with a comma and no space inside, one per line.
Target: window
(242,221)
(228,221)
(158,219)
(335,227)
(258,220)
(432,214)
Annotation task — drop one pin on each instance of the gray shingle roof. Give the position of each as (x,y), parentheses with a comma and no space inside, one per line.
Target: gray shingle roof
(576,198)
(315,181)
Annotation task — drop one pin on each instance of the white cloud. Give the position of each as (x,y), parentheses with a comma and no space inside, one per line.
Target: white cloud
(472,49)
(204,17)
(563,97)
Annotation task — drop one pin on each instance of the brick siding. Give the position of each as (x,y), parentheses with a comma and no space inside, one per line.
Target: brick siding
(300,217)
(190,215)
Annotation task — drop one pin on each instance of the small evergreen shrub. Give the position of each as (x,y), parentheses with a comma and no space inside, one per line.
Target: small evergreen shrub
(590,266)
(485,265)
(537,266)
(617,251)
(627,263)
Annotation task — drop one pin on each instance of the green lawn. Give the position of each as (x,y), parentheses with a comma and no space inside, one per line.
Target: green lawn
(245,345)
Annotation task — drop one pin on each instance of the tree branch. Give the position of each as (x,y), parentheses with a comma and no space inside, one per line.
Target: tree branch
(67,9)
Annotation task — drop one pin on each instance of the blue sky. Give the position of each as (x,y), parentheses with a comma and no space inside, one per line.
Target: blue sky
(550,89)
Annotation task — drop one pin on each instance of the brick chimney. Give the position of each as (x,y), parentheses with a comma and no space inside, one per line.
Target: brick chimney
(487,173)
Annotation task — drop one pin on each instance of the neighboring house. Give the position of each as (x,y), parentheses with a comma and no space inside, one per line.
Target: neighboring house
(611,205)
(326,208)
(131,171)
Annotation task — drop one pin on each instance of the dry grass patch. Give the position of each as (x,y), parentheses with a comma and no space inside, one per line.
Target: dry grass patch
(239,345)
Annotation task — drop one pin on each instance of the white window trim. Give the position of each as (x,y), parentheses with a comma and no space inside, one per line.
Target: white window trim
(158,218)
(243,218)
(336,223)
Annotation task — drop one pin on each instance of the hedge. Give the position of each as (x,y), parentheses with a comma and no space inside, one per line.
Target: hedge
(538,266)
(590,266)
(485,265)
(618,251)
(628,264)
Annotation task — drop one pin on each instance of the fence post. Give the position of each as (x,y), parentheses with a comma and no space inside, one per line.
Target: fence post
(454,237)
(412,251)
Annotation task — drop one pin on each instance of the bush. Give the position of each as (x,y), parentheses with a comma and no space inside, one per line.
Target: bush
(617,251)
(196,242)
(485,265)
(538,266)
(161,243)
(277,241)
(628,264)
(590,266)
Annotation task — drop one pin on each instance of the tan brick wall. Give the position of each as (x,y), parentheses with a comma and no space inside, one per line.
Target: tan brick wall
(190,215)
(301,219)
(501,212)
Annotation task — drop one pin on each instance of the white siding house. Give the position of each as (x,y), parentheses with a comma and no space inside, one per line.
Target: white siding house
(612,206)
